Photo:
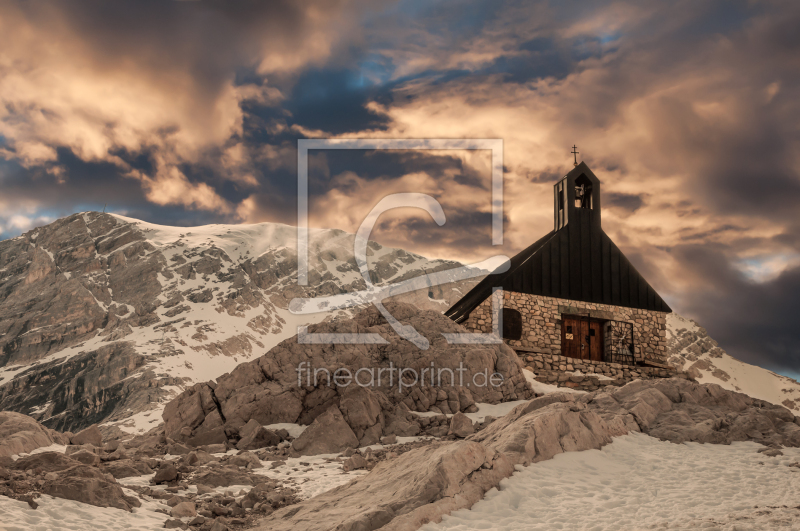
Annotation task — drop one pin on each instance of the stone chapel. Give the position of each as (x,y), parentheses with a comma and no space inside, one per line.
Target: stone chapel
(572,299)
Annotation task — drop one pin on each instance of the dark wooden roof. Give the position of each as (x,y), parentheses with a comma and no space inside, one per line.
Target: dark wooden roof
(577,262)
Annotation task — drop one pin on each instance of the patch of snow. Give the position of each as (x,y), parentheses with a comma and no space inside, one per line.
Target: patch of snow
(638,482)
(59,514)
(58,448)
(294,429)
(493,410)
(546,389)
(319,474)
(141,422)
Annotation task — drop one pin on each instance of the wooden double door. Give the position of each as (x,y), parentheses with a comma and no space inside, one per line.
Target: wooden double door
(581,337)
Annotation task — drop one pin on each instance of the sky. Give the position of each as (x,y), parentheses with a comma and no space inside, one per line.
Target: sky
(189,112)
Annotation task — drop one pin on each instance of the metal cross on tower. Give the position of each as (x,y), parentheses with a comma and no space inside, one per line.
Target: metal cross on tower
(575,153)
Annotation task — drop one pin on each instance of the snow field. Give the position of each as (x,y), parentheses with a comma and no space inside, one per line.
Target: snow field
(638,482)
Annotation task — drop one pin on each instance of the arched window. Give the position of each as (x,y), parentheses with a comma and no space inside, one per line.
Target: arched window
(512,324)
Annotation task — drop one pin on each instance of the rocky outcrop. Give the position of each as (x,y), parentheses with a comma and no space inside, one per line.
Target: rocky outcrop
(691,349)
(402,494)
(297,382)
(424,484)
(63,477)
(22,434)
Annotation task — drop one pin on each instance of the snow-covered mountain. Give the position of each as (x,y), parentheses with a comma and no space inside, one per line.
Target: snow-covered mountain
(692,350)
(103,318)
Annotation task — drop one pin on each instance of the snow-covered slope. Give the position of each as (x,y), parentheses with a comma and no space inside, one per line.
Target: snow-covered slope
(692,350)
(638,482)
(117,315)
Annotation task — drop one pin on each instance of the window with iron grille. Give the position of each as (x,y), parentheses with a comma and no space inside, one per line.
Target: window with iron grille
(619,343)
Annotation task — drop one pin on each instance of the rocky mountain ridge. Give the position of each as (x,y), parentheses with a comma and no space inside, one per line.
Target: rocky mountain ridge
(103,318)
(691,349)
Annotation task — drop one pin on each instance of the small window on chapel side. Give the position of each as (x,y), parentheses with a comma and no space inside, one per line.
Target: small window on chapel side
(512,324)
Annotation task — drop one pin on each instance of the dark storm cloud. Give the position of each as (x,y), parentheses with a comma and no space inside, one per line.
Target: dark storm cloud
(627,202)
(755,322)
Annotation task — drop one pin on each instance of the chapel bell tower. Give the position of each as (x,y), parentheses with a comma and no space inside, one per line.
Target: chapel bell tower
(577,198)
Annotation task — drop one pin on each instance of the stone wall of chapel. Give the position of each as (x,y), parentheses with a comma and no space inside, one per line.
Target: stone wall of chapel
(541,323)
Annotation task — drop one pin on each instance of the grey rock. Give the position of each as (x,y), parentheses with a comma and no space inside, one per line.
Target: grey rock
(223,477)
(21,434)
(46,462)
(87,458)
(126,468)
(246,459)
(166,473)
(74,449)
(328,434)
(183,510)
(461,426)
(89,485)
(90,435)
(417,487)
(356,462)
(259,437)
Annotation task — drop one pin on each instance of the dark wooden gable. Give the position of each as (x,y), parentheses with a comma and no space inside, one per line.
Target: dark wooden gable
(576,261)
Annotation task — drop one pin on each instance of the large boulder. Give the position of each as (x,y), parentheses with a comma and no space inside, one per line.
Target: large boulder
(88,485)
(254,436)
(45,462)
(328,434)
(535,432)
(21,434)
(64,477)
(189,410)
(87,458)
(126,468)
(362,409)
(166,473)
(461,426)
(90,435)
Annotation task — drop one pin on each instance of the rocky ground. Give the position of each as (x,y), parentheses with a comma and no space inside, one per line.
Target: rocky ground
(396,485)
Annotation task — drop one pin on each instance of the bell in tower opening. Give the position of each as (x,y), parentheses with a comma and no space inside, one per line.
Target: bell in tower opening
(583,192)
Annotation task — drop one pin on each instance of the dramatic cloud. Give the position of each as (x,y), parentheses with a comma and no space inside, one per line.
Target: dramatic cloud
(189,112)
(112,82)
